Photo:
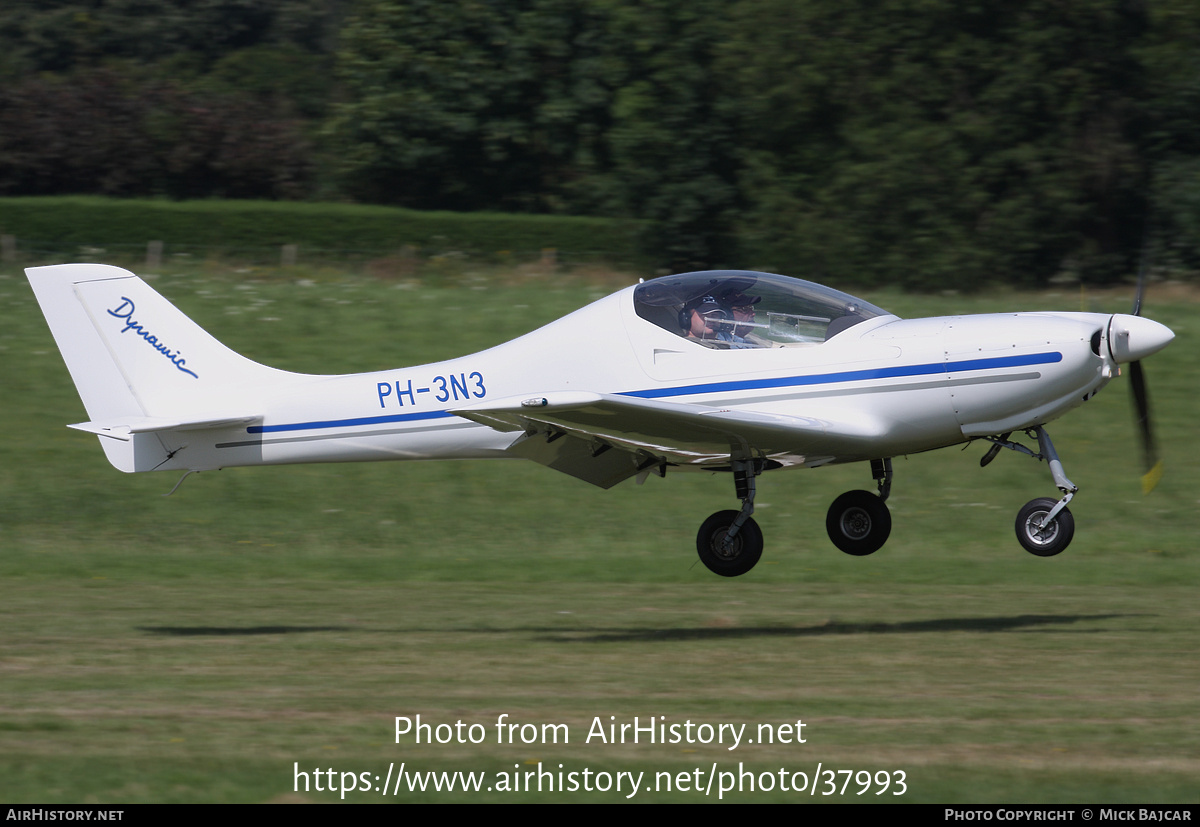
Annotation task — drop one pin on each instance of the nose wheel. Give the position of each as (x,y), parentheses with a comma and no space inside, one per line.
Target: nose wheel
(1043,532)
(1044,526)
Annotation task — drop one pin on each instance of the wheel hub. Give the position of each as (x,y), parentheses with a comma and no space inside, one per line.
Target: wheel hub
(1038,531)
(726,549)
(725,555)
(856,523)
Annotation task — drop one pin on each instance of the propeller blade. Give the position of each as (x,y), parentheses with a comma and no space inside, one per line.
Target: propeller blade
(1141,289)
(1148,338)
(1143,266)
(1141,400)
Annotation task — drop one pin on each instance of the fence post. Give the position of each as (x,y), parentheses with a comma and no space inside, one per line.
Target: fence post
(154,255)
(287,256)
(8,248)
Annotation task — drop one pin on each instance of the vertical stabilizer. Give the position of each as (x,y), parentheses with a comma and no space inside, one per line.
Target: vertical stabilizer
(140,365)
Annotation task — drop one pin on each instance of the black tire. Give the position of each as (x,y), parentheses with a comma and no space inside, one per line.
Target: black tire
(858,523)
(1051,539)
(745,550)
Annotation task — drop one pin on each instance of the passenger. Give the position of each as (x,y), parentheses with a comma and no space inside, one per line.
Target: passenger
(742,308)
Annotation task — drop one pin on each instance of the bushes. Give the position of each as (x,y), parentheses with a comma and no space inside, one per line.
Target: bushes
(71,222)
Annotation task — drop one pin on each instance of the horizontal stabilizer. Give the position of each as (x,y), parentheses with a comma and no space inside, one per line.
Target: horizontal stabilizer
(126,428)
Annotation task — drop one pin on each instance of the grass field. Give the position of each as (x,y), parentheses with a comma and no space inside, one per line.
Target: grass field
(202,647)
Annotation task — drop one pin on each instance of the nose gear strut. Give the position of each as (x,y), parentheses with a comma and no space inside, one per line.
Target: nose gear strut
(1044,527)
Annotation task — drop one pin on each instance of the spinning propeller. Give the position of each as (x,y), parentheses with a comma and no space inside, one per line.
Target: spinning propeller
(1130,338)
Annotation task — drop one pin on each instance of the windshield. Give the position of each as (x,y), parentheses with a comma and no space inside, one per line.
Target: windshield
(743,309)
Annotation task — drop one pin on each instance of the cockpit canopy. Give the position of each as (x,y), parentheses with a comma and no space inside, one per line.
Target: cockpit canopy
(744,309)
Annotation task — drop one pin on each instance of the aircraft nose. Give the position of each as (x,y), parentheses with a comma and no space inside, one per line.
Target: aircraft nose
(1131,338)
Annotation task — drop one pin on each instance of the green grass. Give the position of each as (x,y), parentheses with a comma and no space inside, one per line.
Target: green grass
(192,648)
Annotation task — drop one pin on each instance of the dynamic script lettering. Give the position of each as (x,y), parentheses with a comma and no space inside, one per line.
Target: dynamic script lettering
(125,311)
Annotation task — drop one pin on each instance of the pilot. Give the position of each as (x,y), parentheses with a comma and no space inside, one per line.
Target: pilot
(705,319)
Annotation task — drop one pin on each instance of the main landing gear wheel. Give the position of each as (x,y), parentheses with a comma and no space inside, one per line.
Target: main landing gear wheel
(858,523)
(1044,540)
(742,553)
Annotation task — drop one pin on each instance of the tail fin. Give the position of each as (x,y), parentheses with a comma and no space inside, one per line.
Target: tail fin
(140,365)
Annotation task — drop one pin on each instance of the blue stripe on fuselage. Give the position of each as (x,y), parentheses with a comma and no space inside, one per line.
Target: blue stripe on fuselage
(346,423)
(719,387)
(851,376)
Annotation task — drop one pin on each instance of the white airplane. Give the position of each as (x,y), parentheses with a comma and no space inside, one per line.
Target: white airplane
(726,371)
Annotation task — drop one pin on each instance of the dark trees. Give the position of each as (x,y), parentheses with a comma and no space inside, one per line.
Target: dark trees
(932,143)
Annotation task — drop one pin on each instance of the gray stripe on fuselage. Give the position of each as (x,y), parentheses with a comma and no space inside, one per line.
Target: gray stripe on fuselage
(911,386)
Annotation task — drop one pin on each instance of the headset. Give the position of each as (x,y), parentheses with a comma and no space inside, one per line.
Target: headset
(723,316)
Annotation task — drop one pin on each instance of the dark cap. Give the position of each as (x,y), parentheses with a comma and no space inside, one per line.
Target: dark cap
(740,299)
(705,305)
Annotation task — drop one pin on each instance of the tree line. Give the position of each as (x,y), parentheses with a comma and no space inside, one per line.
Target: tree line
(929,143)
